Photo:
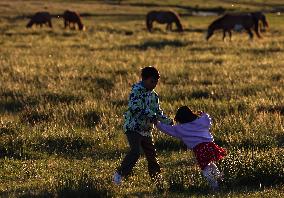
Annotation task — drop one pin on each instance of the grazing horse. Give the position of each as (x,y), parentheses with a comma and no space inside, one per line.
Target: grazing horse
(71,18)
(163,17)
(40,18)
(237,22)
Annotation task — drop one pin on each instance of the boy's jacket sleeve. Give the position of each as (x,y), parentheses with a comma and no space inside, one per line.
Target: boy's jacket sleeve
(161,117)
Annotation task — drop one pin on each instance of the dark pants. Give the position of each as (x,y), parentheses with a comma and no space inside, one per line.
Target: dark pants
(137,141)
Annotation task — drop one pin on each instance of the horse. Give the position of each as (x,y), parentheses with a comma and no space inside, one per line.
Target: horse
(40,18)
(237,22)
(163,17)
(71,17)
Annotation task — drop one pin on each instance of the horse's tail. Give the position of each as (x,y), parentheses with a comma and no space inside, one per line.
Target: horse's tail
(149,21)
(178,22)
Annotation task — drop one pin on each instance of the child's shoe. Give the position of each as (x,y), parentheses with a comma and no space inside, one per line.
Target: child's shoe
(117,178)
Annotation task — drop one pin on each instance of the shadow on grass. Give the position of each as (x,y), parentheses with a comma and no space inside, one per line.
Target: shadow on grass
(264,51)
(29,193)
(212,49)
(158,44)
(213,61)
(195,30)
(57,98)
(84,187)
(96,82)
(87,119)
(272,109)
(91,119)
(33,117)
(13,101)
(12,148)
(119,103)
(115,31)
(246,143)
(34,33)
(15,148)
(277,77)
(280,140)
(7,130)
(169,144)
(65,146)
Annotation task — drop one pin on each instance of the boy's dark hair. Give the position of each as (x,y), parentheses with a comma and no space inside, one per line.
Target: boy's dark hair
(150,71)
(185,114)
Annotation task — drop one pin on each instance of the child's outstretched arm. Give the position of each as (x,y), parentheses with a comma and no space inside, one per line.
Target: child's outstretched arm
(161,116)
(168,129)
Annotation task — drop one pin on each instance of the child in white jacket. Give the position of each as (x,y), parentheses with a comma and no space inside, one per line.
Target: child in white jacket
(193,130)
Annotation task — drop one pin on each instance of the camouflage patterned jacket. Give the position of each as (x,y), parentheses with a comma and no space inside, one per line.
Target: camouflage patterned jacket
(143,109)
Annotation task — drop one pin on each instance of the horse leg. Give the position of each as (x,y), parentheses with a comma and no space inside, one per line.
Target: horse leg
(256,29)
(168,27)
(224,35)
(50,24)
(250,33)
(230,34)
(171,26)
(149,24)
(65,24)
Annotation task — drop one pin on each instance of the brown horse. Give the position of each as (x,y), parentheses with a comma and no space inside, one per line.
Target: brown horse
(237,22)
(163,17)
(40,18)
(71,18)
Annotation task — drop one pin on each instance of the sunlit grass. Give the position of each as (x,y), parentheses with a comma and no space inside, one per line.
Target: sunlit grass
(63,94)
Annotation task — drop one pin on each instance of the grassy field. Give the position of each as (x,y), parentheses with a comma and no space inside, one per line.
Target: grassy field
(63,94)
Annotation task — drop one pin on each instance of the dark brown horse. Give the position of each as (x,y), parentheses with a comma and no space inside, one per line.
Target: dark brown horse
(163,17)
(40,18)
(237,22)
(71,18)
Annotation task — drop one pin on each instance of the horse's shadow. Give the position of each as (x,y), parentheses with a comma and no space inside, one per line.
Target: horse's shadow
(158,44)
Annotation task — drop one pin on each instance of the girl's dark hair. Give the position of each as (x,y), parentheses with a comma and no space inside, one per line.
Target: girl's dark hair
(185,114)
(150,71)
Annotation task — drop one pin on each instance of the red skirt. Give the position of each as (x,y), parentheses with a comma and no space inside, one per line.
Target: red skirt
(207,152)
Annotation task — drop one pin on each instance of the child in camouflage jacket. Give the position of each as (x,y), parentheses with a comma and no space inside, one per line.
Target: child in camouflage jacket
(143,111)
